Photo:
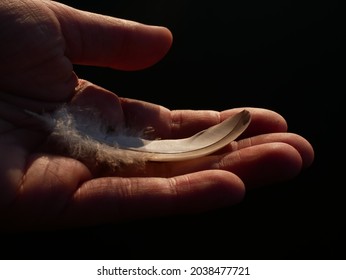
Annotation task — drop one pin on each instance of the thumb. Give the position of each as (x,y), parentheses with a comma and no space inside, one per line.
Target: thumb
(99,40)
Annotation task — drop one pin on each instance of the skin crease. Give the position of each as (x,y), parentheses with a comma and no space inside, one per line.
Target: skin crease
(41,40)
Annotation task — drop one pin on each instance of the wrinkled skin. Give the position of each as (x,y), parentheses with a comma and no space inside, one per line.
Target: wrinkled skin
(40,42)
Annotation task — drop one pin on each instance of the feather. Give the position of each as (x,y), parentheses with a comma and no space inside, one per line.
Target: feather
(201,144)
(82,134)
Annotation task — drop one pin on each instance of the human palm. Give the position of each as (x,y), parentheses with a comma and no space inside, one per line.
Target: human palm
(41,41)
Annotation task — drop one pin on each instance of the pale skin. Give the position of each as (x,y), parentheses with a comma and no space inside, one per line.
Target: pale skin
(40,42)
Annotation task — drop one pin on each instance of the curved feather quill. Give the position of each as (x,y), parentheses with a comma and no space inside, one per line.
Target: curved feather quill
(201,144)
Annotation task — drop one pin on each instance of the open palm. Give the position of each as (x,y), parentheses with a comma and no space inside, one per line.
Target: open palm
(40,42)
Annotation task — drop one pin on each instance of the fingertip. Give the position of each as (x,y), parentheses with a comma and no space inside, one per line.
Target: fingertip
(307,152)
(278,162)
(299,143)
(267,121)
(262,121)
(143,46)
(302,146)
(231,187)
(215,189)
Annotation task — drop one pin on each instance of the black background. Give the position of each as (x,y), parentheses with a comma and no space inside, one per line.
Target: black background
(282,55)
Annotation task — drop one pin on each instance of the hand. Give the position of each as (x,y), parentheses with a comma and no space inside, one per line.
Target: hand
(40,42)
